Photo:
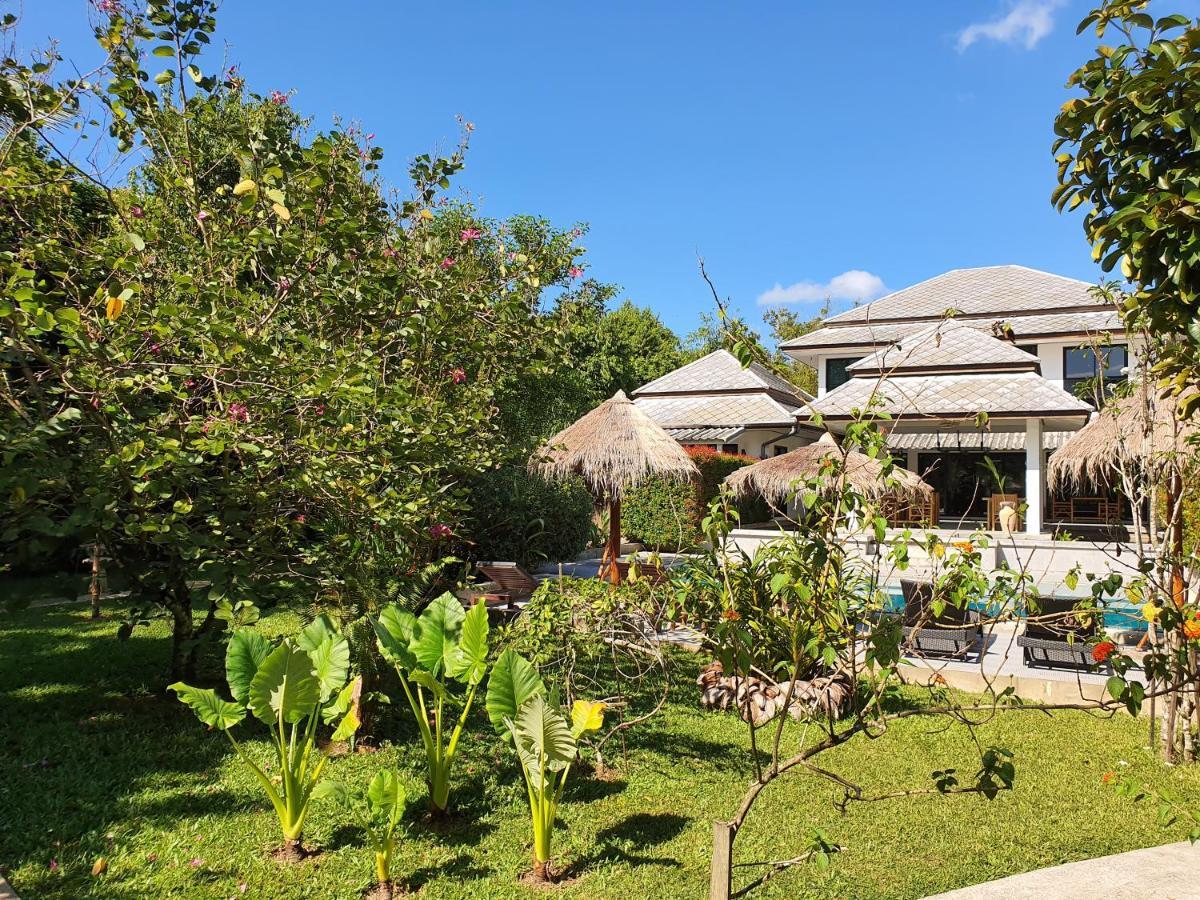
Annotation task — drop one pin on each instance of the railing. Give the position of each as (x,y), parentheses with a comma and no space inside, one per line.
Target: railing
(905,511)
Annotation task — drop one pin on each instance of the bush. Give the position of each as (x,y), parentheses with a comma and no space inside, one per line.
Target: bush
(666,515)
(515,515)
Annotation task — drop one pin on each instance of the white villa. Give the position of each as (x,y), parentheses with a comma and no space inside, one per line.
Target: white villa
(971,363)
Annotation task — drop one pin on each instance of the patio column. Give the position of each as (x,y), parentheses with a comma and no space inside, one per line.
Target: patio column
(1035,476)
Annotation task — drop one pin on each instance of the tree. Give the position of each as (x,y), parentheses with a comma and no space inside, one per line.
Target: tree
(257,377)
(786,325)
(1127,147)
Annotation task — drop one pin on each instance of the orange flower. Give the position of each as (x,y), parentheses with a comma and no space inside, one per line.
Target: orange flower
(1108,777)
(1103,651)
(730,615)
(1191,629)
(965,546)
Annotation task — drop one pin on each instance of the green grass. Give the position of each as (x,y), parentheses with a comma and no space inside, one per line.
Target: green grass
(94,762)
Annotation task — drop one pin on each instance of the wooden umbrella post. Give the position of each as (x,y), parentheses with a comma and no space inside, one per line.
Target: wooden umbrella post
(613,550)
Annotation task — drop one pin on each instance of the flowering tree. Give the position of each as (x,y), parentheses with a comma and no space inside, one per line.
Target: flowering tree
(247,371)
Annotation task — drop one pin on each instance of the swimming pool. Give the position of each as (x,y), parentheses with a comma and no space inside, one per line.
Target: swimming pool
(1119,615)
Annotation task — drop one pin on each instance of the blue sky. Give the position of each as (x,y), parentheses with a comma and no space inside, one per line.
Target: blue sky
(832,148)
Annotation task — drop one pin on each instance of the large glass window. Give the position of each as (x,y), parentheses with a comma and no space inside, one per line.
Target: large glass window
(1091,372)
(835,371)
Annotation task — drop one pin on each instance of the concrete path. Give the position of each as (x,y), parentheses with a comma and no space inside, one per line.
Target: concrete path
(1168,872)
(6,892)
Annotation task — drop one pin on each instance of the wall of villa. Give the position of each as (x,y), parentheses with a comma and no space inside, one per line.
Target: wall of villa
(1047,561)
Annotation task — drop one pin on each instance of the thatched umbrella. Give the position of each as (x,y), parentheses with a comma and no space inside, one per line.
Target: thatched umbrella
(775,478)
(613,448)
(1139,433)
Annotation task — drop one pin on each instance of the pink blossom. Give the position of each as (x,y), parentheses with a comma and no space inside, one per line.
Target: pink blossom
(389,252)
(108,7)
(576,271)
(319,409)
(96,402)
(242,888)
(458,376)
(447,262)
(137,212)
(196,862)
(441,531)
(512,257)
(53,865)
(301,518)
(284,284)
(201,216)
(238,412)
(190,383)
(471,234)
(279,98)
(154,348)
(371,136)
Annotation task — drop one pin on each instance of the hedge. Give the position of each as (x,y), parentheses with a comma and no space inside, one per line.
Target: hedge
(517,516)
(666,515)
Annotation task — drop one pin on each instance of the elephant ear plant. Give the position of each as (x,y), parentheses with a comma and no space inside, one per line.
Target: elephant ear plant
(379,812)
(443,644)
(291,688)
(545,738)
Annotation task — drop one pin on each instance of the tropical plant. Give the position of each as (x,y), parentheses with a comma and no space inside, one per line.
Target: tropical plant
(379,810)
(429,651)
(546,741)
(292,688)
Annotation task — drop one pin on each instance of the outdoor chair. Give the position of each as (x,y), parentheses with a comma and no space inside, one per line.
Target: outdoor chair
(513,584)
(956,633)
(651,572)
(1062,640)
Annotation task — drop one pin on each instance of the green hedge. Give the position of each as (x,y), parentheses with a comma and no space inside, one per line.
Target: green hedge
(518,516)
(666,515)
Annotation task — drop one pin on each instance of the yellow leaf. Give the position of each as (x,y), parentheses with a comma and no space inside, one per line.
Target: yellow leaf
(99,867)
(426,216)
(245,186)
(587,715)
(282,211)
(113,308)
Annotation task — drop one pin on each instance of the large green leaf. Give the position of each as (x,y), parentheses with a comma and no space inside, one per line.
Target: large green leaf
(341,703)
(513,681)
(385,796)
(246,651)
(346,727)
(470,663)
(331,662)
(435,641)
(394,630)
(543,738)
(209,708)
(315,633)
(285,685)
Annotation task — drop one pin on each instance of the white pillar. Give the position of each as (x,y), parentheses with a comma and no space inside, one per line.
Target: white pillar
(1035,476)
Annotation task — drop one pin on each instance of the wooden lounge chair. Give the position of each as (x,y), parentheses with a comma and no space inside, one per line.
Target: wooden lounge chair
(1062,639)
(956,633)
(512,582)
(652,572)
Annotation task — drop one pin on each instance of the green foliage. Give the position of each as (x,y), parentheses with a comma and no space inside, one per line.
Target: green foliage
(429,651)
(516,515)
(666,515)
(545,739)
(299,684)
(1126,148)
(379,810)
(246,371)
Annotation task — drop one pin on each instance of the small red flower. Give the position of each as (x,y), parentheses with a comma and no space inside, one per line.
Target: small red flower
(470,234)
(301,518)
(458,376)
(1103,651)
(447,262)
(137,212)
(576,272)
(441,531)
(279,98)
(1108,777)
(730,615)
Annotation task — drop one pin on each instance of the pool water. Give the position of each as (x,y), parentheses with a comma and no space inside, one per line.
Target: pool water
(1119,615)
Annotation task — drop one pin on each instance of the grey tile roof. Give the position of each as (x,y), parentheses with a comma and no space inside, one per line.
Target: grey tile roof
(948,345)
(1003,290)
(714,410)
(683,435)
(1029,326)
(716,372)
(971,440)
(952,396)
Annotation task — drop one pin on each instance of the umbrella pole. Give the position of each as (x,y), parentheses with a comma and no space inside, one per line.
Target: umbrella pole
(613,550)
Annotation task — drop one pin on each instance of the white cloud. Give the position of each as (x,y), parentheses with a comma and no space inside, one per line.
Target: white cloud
(1027,22)
(853,285)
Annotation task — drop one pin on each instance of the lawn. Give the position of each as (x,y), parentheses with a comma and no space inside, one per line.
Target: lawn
(95,762)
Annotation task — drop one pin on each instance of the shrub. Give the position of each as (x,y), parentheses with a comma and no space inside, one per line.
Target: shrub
(518,516)
(666,515)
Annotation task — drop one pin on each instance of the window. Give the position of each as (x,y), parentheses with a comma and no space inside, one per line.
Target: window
(729,448)
(780,450)
(835,371)
(1091,371)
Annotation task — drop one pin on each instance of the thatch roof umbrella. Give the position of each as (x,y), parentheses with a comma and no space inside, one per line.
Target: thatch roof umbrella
(1138,433)
(613,448)
(775,478)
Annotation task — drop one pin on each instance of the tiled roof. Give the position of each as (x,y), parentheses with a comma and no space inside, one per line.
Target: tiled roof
(874,335)
(947,396)
(1003,290)
(684,435)
(971,440)
(715,410)
(946,345)
(718,371)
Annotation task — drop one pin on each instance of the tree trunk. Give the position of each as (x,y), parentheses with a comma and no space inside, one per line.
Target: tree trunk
(721,873)
(612,550)
(183,650)
(94,586)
